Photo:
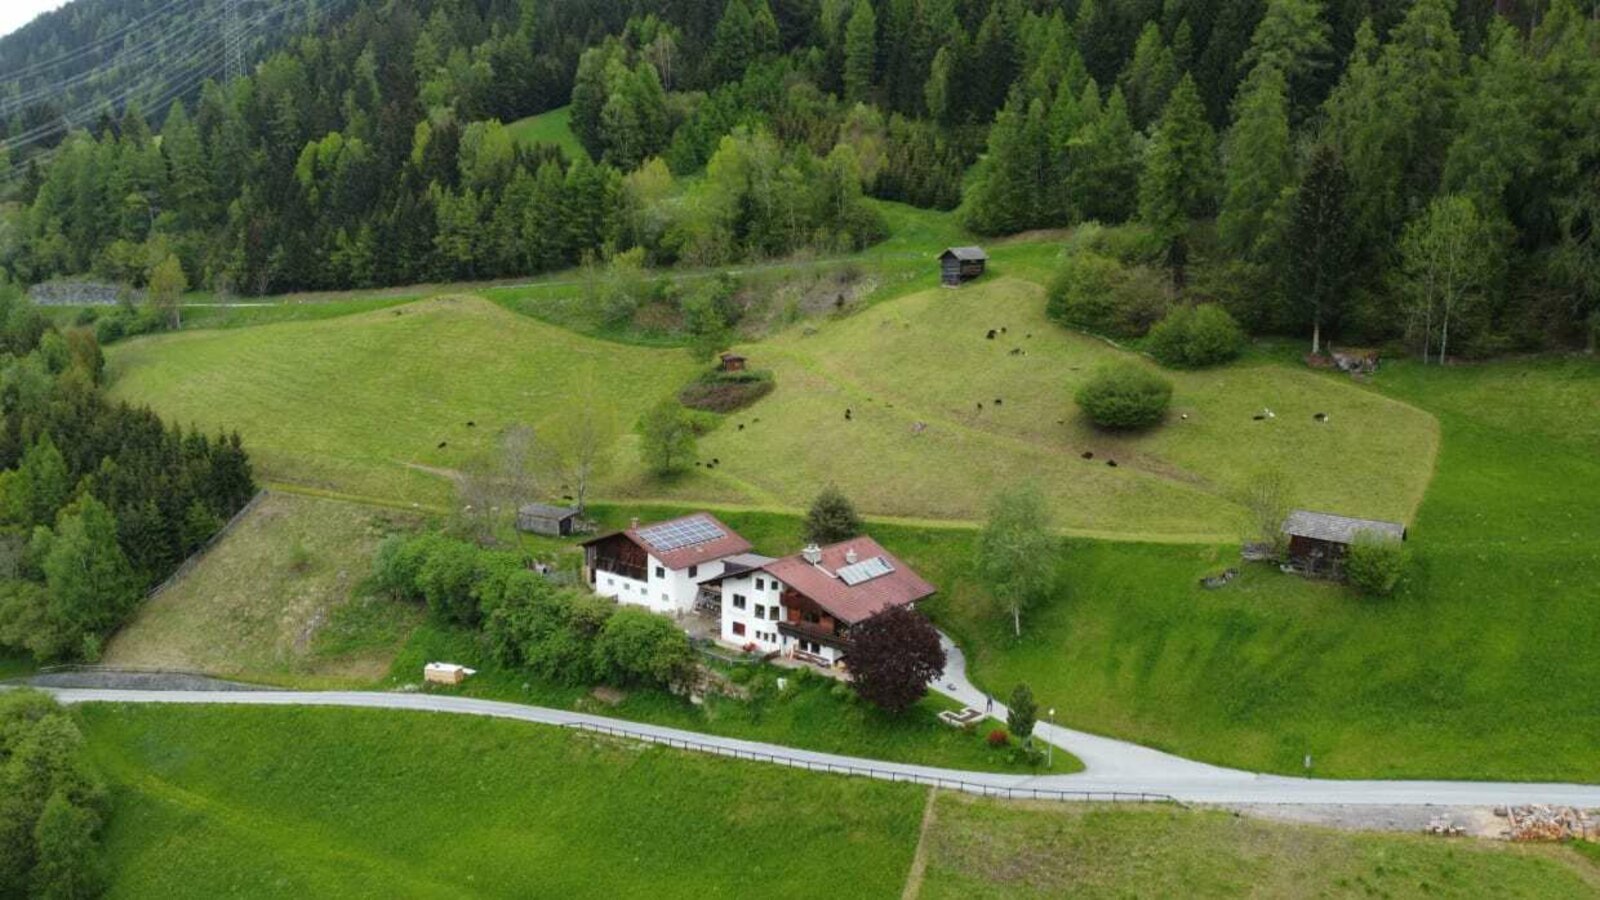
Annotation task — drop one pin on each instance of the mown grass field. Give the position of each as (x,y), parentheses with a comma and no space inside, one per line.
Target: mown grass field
(342,803)
(276,599)
(378,404)
(982,849)
(553,127)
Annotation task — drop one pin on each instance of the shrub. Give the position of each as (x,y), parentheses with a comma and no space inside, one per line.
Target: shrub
(639,647)
(725,392)
(1376,564)
(1192,337)
(998,738)
(1099,293)
(1125,395)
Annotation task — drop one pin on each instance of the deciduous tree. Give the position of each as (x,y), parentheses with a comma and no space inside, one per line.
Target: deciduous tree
(1018,551)
(894,655)
(831,518)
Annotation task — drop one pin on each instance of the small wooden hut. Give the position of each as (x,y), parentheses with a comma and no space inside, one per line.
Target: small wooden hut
(542,518)
(1319,542)
(959,265)
(732,362)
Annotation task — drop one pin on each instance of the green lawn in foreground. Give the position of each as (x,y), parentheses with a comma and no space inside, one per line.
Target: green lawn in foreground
(321,802)
(276,598)
(1482,666)
(926,358)
(983,849)
(379,404)
(553,127)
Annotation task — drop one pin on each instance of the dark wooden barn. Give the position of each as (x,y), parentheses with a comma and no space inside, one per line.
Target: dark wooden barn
(1319,542)
(732,362)
(958,265)
(540,518)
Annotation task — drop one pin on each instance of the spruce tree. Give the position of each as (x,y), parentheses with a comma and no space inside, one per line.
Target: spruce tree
(1180,173)
(831,518)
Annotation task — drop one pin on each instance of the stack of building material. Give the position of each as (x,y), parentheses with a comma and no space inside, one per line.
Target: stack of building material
(1539,822)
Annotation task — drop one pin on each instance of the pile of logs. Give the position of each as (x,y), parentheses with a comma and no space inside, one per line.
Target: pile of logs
(1540,822)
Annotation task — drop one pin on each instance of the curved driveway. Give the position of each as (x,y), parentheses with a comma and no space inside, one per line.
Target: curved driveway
(1111,765)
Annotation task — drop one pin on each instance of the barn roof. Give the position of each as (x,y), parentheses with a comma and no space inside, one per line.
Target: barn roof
(852,591)
(546,511)
(1337,529)
(683,542)
(965,254)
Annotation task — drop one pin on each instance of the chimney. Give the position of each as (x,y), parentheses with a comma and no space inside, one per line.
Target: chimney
(635,522)
(850,557)
(812,554)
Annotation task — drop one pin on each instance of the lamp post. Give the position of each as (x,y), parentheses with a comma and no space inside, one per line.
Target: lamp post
(1049,746)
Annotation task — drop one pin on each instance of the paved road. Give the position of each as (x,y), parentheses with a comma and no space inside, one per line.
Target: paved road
(1112,767)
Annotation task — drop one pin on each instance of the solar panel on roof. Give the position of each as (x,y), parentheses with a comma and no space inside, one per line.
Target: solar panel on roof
(685,533)
(865,571)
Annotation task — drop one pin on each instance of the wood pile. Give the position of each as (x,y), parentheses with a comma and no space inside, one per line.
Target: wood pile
(1540,822)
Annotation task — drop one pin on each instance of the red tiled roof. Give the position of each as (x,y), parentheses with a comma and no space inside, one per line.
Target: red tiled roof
(729,544)
(849,603)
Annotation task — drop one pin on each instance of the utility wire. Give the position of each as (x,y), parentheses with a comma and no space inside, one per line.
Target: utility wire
(86,49)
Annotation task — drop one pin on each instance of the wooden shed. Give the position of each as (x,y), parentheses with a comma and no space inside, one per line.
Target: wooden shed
(446,673)
(552,521)
(958,265)
(732,362)
(1319,542)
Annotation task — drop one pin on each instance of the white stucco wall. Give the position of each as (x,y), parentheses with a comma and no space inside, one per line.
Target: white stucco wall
(763,631)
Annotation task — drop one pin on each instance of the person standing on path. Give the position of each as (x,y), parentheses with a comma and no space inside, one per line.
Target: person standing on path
(988,704)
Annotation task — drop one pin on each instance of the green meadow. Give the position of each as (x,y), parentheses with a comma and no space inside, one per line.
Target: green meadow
(553,128)
(306,802)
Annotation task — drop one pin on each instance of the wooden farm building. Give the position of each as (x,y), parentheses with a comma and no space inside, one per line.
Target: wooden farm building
(541,518)
(1319,542)
(732,362)
(958,265)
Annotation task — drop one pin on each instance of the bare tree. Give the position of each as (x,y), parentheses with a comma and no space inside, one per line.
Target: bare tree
(1267,499)
(577,449)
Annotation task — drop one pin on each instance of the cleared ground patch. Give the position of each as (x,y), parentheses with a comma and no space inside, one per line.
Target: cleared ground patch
(980,849)
(553,127)
(380,403)
(275,599)
(915,410)
(322,802)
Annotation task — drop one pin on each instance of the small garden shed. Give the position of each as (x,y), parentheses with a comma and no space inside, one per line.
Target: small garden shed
(552,521)
(732,362)
(958,265)
(1319,542)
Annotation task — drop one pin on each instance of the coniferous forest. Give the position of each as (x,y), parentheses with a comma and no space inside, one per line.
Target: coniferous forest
(1376,169)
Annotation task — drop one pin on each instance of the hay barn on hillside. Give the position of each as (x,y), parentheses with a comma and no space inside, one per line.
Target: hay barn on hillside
(1319,542)
(958,265)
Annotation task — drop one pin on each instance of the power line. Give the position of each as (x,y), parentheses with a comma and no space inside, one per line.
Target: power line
(86,49)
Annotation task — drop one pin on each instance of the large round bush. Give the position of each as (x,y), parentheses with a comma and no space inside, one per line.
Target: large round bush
(1192,337)
(1125,395)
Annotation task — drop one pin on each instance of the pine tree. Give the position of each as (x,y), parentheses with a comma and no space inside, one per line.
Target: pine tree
(1149,77)
(1105,162)
(43,483)
(860,52)
(1320,251)
(1258,162)
(733,43)
(1010,194)
(1293,38)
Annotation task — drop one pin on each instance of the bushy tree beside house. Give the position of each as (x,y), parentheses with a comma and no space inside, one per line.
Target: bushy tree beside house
(831,518)
(894,655)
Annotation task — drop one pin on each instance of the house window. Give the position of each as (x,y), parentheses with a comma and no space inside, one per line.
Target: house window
(738,628)
(693,571)
(665,598)
(761,611)
(738,601)
(812,618)
(661,572)
(611,582)
(761,584)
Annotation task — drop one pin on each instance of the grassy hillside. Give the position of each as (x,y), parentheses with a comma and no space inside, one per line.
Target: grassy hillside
(980,849)
(999,410)
(1480,667)
(275,598)
(553,127)
(301,802)
(377,404)
(360,404)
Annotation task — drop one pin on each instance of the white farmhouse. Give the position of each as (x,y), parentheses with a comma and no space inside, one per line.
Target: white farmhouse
(661,566)
(803,606)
